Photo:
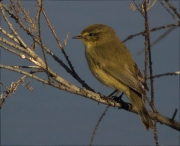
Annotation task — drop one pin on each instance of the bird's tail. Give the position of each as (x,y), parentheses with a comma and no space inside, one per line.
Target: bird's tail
(137,101)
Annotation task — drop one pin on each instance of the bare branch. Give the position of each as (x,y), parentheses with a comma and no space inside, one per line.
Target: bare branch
(39,36)
(158,39)
(165,74)
(94,132)
(173,8)
(151,30)
(10,90)
(148,52)
(161,2)
(96,97)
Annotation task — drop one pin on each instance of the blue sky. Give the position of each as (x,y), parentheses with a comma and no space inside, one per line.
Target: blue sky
(49,116)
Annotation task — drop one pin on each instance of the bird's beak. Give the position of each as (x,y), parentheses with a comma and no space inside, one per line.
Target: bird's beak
(77,37)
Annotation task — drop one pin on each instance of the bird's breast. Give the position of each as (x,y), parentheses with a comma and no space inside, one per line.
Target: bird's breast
(96,66)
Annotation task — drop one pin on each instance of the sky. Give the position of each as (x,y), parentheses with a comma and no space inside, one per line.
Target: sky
(49,116)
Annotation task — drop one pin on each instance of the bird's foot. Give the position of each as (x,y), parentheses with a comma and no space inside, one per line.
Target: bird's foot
(118,98)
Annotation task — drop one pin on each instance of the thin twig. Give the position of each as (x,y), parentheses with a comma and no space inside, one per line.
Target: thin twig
(161,2)
(173,8)
(14,52)
(136,7)
(155,134)
(39,35)
(100,119)
(71,70)
(148,52)
(157,40)
(10,90)
(4,85)
(58,41)
(95,129)
(147,43)
(165,74)
(151,30)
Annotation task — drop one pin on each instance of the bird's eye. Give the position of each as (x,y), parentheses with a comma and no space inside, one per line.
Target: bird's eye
(90,34)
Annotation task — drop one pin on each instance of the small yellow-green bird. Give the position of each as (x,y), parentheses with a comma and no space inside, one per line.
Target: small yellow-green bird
(112,64)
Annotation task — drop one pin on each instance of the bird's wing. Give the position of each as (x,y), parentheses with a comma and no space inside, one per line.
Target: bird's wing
(140,77)
(123,74)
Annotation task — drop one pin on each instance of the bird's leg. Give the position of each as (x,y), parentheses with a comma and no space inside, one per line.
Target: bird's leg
(115,98)
(111,95)
(124,105)
(119,98)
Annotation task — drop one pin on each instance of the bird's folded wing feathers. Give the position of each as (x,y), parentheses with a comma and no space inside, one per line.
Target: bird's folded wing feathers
(124,75)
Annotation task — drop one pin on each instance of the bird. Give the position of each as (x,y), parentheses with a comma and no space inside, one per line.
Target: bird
(113,65)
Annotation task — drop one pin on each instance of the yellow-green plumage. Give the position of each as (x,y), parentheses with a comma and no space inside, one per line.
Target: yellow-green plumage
(112,64)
